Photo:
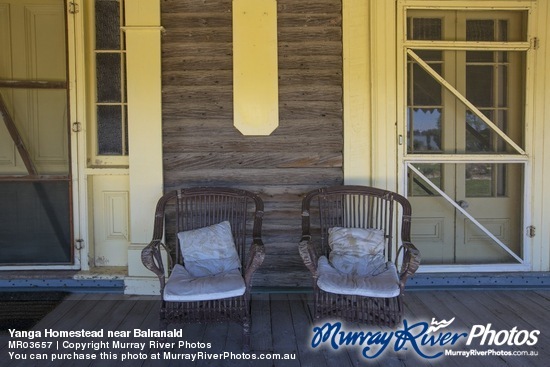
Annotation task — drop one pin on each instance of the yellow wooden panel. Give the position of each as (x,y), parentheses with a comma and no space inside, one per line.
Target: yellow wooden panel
(142,13)
(144,128)
(255,84)
(111,219)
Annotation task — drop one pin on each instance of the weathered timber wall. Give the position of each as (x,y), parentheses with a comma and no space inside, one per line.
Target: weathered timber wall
(201,146)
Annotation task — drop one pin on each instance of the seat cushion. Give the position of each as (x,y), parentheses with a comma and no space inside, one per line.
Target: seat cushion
(182,286)
(356,251)
(383,282)
(209,250)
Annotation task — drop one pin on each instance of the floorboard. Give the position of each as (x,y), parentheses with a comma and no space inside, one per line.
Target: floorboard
(283,333)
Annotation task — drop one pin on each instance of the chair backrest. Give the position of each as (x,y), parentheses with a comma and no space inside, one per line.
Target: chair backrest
(198,207)
(356,207)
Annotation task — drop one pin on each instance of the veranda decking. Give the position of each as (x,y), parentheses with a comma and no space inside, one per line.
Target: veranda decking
(281,323)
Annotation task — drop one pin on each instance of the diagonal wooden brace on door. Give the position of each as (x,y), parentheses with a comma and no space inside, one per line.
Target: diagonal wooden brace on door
(16,137)
(463,99)
(465,213)
(31,169)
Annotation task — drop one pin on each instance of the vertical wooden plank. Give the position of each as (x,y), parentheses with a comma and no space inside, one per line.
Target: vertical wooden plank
(284,336)
(260,334)
(303,329)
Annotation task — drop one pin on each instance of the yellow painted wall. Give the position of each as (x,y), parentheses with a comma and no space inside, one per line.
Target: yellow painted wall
(370,142)
(357,92)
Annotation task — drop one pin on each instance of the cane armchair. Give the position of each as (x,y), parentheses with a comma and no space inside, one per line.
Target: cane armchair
(368,288)
(202,286)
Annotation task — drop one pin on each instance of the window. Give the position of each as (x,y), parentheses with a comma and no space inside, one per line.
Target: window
(108,137)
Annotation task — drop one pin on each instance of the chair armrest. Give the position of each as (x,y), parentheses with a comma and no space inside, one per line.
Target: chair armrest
(256,257)
(151,257)
(308,254)
(411,262)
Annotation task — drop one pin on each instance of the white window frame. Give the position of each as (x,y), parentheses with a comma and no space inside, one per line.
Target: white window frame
(96,160)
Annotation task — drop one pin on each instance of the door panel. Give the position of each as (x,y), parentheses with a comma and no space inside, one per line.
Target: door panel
(492,194)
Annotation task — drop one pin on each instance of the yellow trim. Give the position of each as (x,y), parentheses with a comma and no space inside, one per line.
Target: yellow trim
(143,52)
(357,92)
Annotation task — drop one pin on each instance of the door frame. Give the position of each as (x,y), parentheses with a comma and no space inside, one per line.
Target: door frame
(404,159)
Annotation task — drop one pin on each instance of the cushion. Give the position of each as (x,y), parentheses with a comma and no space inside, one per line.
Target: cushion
(182,286)
(356,251)
(384,283)
(209,250)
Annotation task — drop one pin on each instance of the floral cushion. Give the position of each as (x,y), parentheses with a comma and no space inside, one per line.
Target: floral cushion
(209,250)
(356,251)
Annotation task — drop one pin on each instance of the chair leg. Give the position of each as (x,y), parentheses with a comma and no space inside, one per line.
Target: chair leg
(246,334)
(163,326)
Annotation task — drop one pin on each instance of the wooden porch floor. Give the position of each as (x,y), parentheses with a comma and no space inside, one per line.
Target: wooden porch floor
(282,324)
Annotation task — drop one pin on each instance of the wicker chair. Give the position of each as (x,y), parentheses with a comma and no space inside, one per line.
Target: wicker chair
(358,207)
(191,209)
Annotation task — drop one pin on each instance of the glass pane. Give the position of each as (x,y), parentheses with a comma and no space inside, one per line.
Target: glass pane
(426,90)
(479,180)
(424,130)
(107,23)
(478,135)
(502,122)
(124,78)
(479,25)
(426,29)
(108,77)
(109,130)
(488,180)
(418,186)
(35,223)
(126,149)
(430,55)
(501,179)
(503,30)
(502,90)
(480,85)
(480,56)
(480,30)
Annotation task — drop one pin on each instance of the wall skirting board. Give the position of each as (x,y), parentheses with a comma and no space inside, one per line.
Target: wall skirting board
(89,282)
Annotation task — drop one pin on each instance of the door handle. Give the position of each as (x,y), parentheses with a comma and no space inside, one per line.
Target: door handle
(463,204)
